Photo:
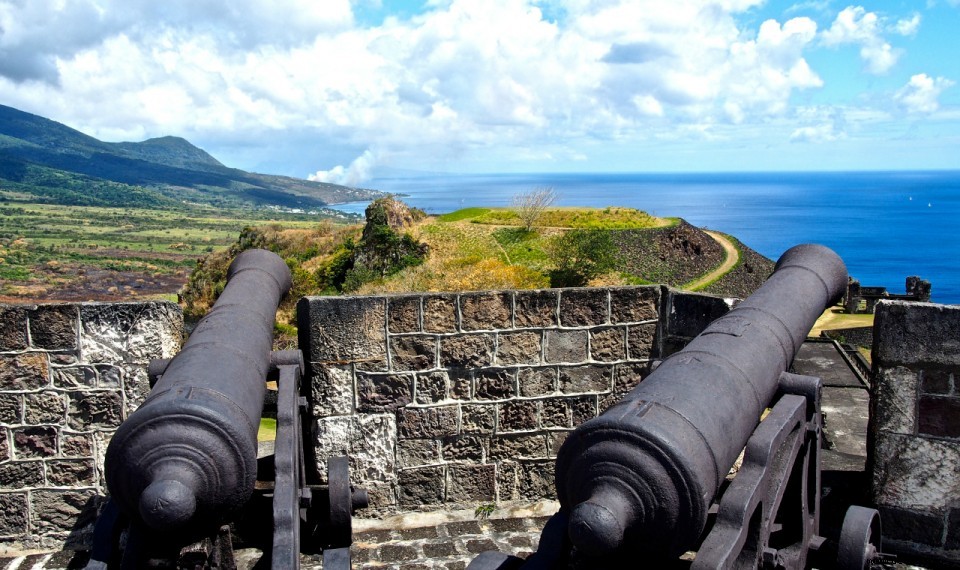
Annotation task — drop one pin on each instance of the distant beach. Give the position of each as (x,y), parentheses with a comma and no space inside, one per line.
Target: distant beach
(885,225)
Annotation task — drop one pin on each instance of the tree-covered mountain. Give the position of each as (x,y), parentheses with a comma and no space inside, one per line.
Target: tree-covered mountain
(43,160)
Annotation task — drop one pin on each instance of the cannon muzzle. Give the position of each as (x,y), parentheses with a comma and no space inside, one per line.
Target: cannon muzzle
(641,476)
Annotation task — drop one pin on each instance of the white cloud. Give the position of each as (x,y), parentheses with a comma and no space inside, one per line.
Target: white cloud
(922,93)
(358,172)
(461,77)
(908,27)
(854,25)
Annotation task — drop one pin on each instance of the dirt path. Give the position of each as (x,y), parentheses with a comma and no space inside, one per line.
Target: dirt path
(732,257)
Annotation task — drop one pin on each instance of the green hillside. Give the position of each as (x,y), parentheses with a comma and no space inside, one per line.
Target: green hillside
(44,161)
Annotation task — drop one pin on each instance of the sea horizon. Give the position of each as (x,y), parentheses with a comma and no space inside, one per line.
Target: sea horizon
(886,225)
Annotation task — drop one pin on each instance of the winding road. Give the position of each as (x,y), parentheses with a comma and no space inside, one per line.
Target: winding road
(731,260)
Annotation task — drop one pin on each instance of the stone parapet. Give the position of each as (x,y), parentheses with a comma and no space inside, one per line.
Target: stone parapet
(915,428)
(69,375)
(460,399)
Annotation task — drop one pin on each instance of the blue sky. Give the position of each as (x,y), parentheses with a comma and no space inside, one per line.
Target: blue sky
(347,90)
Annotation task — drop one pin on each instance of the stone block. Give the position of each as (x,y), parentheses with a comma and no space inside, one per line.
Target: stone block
(76,445)
(404,314)
(934,381)
(21,475)
(134,333)
(953,530)
(517,416)
(894,401)
(13,328)
(109,376)
(29,371)
(344,330)
(471,483)
(634,304)
(518,348)
(507,481)
(535,382)
(478,418)
(555,440)
(413,353)
(383,392)
(562,346)
(628,375)
(369,440)
(431,387)
(440,313)
(11,408)
(583,307)
(641,341)
(915,473)
(536,309)
(136,386)
(94,410)
(427,422)
(555,413)
(62,511)
(417,453)
(496,384)
(608,344)
(13,514)
(689,313)
(536,480)
(461,383)
(916,334)
(490,310)
(513,447)
(332,391)
(54,327)
(4,445)
(467,351)
(912,526)
(470,448)
(69,377)
(579,379)
(582,408)
(37,441)
(397,553)
(939,416)
(45,408)
(422,486)
(71,473)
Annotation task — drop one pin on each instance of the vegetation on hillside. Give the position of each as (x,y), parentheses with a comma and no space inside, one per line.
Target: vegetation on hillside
(44,161)
(402,250)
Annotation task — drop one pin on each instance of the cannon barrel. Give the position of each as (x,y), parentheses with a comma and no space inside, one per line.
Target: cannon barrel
(641,476)
(187,457)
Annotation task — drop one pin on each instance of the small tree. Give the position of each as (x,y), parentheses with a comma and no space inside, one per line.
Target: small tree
(529,206)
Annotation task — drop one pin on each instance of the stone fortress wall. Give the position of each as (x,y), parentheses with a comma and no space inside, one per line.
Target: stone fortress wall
(69,375)
(446,401)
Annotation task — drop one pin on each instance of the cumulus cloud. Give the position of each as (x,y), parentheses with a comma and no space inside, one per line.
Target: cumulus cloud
(854,25)
(460,77)
(908,27)
(922,93)
(358,172)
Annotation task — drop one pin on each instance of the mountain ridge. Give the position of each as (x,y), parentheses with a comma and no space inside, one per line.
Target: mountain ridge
(47,161)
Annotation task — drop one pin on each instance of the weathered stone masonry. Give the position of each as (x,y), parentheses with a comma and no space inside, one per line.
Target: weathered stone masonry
(69,374)
(915,427)
(466,398)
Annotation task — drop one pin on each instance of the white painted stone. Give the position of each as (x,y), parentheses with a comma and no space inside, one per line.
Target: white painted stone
(895,398)
(916,473)
(369,440)
(333,392)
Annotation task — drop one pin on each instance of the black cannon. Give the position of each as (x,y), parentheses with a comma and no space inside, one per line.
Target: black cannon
(639,482)
(184,464)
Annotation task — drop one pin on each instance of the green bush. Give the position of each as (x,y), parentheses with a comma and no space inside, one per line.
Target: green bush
(581,255)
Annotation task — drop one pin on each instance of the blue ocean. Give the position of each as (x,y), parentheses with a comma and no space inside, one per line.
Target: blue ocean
(885,225)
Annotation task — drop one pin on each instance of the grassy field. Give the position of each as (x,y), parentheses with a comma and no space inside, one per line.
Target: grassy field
(74,253)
